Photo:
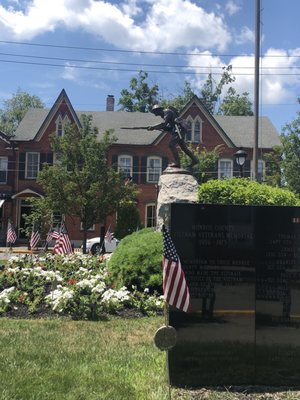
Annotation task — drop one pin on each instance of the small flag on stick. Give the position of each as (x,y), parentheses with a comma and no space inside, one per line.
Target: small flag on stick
(63,244)
(176,292)
(109,235)
(35,236)
(11,236)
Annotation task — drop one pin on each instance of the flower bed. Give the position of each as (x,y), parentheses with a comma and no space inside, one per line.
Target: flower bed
(77,285)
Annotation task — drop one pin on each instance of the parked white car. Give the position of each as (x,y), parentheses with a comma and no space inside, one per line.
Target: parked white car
(93,245)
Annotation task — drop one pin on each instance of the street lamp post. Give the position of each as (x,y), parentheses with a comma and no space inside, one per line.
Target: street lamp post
(240,158)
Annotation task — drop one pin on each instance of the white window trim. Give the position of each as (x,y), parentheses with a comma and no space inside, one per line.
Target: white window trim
(263,168)
(219,167)
(146,214)
(193,123)
(91,229)
(63,121)
(131,162)
(6,170)
(26,165)
(149,168)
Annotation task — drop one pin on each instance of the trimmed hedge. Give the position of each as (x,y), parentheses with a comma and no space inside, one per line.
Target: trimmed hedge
(137,261)
(244,192)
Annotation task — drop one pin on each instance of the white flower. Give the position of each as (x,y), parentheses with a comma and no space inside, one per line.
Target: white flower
(146,290)
(4,295)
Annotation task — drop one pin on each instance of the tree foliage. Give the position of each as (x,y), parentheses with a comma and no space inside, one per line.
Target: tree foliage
(140,96)
(244,192)
(206,162)
(128,220)
(182,99)
(212,90)
(235,104)
(290,140)
(137,261)
(81,183)
(15,108)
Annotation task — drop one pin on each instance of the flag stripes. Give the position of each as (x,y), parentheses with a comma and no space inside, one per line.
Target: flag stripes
(11,236)
(176,291)
(35,237)
(63,244)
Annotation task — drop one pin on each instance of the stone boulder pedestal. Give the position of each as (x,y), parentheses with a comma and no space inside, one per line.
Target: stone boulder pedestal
(175,186)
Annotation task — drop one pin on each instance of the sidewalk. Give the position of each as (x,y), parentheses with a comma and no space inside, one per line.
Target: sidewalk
(24,250)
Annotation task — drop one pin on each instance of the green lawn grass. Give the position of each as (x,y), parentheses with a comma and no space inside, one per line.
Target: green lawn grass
(61,359)
(115,359)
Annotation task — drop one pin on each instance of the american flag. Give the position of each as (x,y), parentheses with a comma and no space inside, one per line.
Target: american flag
(52,235)
(109,235)
(63,244)
(176,291)
(35,237)
(11,236)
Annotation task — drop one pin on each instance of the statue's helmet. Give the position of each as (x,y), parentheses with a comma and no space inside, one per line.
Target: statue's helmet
(157,109)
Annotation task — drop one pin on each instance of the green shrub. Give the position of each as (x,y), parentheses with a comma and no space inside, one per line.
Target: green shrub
(137,261)
(244,192)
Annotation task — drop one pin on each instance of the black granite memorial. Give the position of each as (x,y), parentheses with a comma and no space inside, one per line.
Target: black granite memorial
(242,266)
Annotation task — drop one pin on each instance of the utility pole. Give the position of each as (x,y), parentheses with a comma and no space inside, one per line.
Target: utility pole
(256,89)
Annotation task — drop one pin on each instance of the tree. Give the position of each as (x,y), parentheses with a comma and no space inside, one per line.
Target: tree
(206,162)
(128,220)
(15,108)
(182,99)
(235,104)
(81,183)
(212,90)
(290,140)
(140,97)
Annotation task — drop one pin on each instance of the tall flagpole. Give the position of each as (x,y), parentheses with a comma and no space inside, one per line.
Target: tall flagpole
(256,89)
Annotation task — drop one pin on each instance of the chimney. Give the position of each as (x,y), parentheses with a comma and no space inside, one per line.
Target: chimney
(110,103)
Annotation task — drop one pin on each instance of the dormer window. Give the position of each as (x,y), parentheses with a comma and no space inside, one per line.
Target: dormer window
(60,125)
(194,133)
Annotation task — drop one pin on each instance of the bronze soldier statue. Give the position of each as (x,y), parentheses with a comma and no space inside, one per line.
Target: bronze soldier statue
(178,129)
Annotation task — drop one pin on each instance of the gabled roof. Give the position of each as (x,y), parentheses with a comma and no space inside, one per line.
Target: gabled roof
(5,137)
(36,120)
(236,131)
(241,131)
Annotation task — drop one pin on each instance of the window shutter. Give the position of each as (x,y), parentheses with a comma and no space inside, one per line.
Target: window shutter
(247,169)
(10,170)
(165,162)
(114,161)
(43,158)
(143,169)
(135,169)
(22,158)
(236,169)
(50,158)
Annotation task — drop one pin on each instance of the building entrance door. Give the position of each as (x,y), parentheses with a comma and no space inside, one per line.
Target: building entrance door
(25,209)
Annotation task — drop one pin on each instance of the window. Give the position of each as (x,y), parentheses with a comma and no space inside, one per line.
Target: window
(125,165)
(261,168)
(225,168)
(194,133)
(153,169)
(150,217)
(3,169)
(60,125)
(32,165)
(91,229)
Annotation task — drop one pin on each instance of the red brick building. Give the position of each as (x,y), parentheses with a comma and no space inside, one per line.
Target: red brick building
(139,153)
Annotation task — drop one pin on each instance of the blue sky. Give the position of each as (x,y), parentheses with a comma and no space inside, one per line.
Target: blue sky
(93,48)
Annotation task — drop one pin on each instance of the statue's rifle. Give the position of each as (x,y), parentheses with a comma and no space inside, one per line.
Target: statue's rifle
(134,127)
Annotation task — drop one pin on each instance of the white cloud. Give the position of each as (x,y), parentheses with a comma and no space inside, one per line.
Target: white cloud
(246,35)
(168,24)
(232,7)
(278,75)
